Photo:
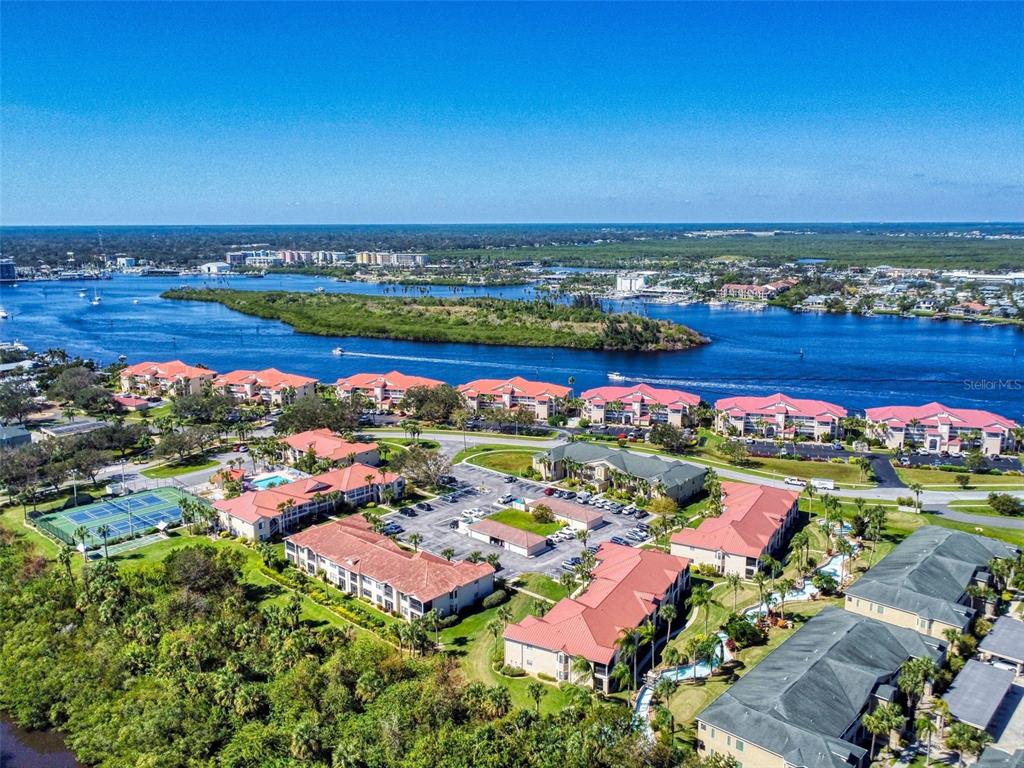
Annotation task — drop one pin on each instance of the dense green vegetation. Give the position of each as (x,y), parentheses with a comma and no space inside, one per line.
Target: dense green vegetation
(175,663)
(473,321)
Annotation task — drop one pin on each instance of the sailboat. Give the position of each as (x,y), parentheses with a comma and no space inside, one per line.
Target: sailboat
(96,300)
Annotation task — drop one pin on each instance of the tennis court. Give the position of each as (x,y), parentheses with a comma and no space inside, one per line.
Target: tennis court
(124,516)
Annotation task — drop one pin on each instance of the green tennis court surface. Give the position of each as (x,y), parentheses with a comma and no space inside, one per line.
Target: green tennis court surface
(124,516)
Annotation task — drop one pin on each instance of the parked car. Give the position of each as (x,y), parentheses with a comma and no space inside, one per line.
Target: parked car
(506,499)
(549,491)
(510,479)
(904,461)
(407,512)
(620,541)
(453,524)
(424,506)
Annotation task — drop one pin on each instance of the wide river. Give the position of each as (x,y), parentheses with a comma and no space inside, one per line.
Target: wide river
(855,361)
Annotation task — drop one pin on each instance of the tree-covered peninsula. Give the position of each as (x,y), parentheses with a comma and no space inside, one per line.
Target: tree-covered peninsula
(585,325)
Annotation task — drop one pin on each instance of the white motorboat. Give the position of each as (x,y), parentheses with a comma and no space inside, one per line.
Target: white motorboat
(4,314)
(616,376)
(96,299)
(337,351)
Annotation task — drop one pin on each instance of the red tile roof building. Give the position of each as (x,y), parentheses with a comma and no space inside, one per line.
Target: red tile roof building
(326,445)
(385,390)
(760,292)
(537,397)
(779,415)
(269,386)
(938,428)
(371,566)
(640,404)
(259,515)
(629,586)
(173,378)
(755,520)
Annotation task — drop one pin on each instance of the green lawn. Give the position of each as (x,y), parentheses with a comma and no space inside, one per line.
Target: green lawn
(941,480)
(509,461)
(543,585)
(524,521)
(176,468)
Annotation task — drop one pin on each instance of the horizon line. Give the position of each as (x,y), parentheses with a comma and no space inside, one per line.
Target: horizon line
(595,223)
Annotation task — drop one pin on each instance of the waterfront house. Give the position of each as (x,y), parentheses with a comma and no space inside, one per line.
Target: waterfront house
(539,398)
(642,405)
(605,467)
(384,390)
(756,520)
(262,514)
(780,416)
(324,444)
(173,378)
(366,564)
(922,583)
(628,588)
(270,386)
(940,429)
(969,309)
(804,704)
(763,292)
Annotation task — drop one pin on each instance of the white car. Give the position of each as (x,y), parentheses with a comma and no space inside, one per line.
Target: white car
(794,481)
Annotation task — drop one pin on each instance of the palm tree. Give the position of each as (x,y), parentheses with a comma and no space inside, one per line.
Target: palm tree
(809,490)
(701,597)
(628,646)
(645,635)
(664,689)
(884,720)
(846,549)
(924,727)
(81,534)
(916,489)
(536,691)
(621,675)
(785,587)
(448,553)
(761,582)
(732,581)
(64,557)
(967,740)
(415,539)
(104,532)
(668,614)
(581,669)
(692,650)
(799,545)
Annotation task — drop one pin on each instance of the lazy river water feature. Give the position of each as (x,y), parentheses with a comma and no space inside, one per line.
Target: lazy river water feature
(834,566)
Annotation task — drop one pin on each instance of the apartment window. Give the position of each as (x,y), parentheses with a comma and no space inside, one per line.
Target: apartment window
(728,740)
(703,726)
(739,745)
(881,610)
(712,733)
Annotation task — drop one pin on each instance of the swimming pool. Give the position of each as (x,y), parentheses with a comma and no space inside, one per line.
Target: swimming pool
(270,481)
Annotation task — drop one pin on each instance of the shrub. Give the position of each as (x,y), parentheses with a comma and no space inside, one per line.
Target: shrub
(542,514)
(825,582)
(510,671)
(546,677)
(496,598)
(743,633)
(449,621)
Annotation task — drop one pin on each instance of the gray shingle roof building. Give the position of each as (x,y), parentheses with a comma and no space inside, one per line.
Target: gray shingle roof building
(681,480)
(976,693)
(804,702)
(926,575)
(1006,640)
(996,758)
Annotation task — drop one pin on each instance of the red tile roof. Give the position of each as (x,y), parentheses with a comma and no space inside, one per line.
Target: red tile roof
(393,380)
(780,403)
(173,369)
(326,444)
(517,385)
(270,378)
(643,393)
(253,505)
(127,401)
(751,515)
(627,587)
(516,536)
(933,414)
(351,544)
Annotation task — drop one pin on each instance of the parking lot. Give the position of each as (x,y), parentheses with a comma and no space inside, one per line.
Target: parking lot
(487,487)
(1003,463)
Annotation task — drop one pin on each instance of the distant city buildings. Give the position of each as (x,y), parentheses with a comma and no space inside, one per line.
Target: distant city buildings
(630,283)
(391,259)
(8,272)
(266,258)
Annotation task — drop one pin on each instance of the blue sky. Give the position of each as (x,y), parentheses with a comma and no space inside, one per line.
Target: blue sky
(385,113)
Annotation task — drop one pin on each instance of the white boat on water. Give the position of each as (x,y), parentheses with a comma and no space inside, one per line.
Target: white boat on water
(82,294)
(135,301)
(337,351)
(716,303)
(4,314)
(616,376)
(96,299)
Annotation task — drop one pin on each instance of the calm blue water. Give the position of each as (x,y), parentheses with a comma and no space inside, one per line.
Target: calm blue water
(855,361)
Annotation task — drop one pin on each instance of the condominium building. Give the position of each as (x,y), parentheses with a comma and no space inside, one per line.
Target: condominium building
(173,378)
(759,292)
(269,386)
(606,467)
(539,398)
(628,588)
(368,565)
(262,514)
(385,390)
(324,444)
(756,520)
(642,405)
(803,706)
(940,429)
(391,259)
(780,416)
(922,584)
